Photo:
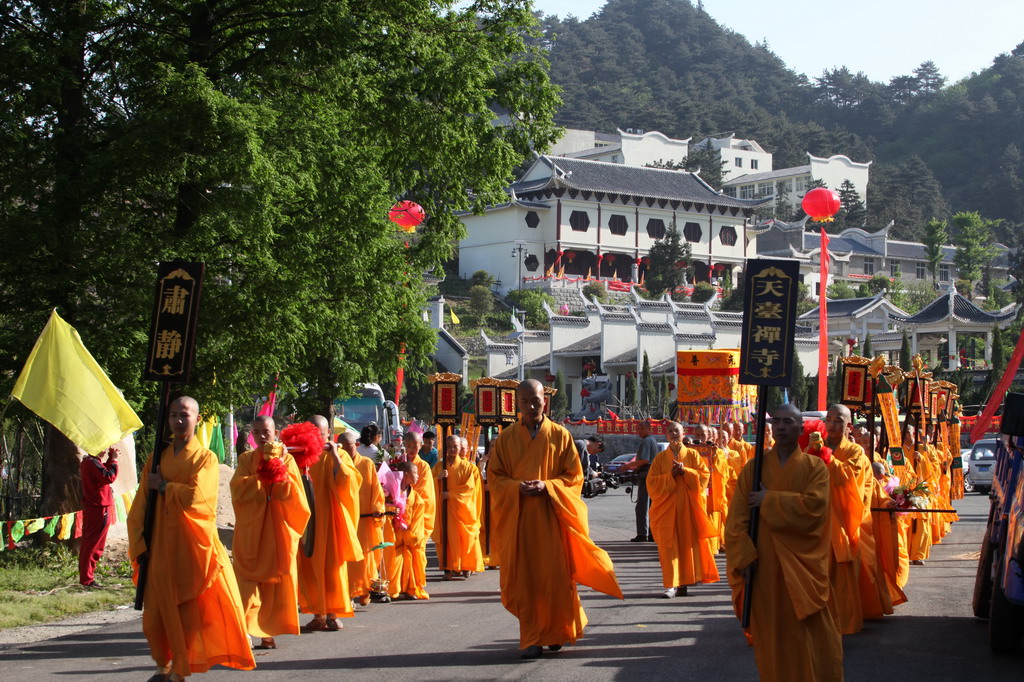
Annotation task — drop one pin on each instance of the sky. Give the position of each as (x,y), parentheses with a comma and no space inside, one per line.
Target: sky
(882,38)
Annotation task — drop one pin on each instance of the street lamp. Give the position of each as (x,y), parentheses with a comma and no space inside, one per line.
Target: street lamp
(518,248)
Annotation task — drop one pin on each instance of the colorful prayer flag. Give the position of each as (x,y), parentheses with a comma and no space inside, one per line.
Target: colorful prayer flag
(63,384)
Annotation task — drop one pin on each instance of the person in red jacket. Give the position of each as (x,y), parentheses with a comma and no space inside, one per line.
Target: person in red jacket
(97,511)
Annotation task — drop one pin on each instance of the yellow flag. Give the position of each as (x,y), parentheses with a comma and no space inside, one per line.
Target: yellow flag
(455,318)
(62,383)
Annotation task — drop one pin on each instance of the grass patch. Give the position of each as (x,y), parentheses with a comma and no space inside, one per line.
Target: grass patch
(40,584)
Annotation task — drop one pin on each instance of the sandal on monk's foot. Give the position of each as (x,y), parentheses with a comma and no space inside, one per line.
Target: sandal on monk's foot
(332,625)
(533,652)
(315,625)
(266,643)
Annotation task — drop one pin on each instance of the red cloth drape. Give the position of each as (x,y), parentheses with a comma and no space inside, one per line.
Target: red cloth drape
(996,400)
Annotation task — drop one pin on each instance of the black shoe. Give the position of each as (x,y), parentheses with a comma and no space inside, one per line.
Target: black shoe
(555,647)
(533,652)
(650,538)
(681,591)
(638,538)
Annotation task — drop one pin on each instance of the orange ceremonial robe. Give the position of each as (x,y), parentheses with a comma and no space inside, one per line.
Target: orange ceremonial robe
(679,522)
(269,520)
(794,635)
(849,478)
(410,542)
(323,580)
(886,533)
(919,535)
(192,612)
(370,529)
(463,531)
(425,490)
(544,541)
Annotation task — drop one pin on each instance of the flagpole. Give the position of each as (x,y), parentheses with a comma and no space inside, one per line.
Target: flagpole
(823,261)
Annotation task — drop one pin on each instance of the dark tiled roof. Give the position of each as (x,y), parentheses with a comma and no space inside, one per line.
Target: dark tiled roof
(666,367)
(629,357)
(589,344)
(915,251)
(696,338)
(620,317)
(767,175)
(812,240)
(644,303)
(654,327)
(843,307)
(963,311)
(614,178)
(571,320)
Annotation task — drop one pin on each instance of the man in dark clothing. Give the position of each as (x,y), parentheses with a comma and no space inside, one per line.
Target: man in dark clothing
(428,453)
(97,511)
(644,456)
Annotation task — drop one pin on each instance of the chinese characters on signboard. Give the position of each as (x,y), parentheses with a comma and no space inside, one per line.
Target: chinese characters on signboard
(175,312)
(769,322)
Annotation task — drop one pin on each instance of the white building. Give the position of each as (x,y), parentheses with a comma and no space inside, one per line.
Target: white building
(791,184)
(575,218)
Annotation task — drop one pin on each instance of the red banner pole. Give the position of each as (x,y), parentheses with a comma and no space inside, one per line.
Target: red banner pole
(823,325)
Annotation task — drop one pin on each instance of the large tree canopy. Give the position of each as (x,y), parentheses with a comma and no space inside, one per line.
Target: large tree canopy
(267,139)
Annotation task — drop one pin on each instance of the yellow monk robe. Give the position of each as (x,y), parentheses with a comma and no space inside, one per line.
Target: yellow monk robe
(487,544)
(736,462)
(793,633)
(715,501)
(743,448)
(410,543)
(192,612)
(323,580)
(463,531)
(269,520)
(679,522)
(849,477)
(478,487)
(940,488)
(370,529)
(544,541)
(919,533)
(886,534)
(425,491)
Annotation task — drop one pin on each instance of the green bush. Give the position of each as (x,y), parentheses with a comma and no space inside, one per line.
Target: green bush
(532,301)
(596,290)
(702,292)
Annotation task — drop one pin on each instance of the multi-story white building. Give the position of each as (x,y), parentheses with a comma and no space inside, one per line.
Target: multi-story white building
(575,218)
(791,184)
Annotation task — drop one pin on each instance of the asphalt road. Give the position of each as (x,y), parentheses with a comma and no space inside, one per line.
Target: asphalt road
(462,632)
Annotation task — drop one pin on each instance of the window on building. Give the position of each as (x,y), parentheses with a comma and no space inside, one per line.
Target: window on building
(656,228)
(747,192)
(727,235)
(739,162)
(869,266)
(764,189)
(579,221)
(692,232)
(753,164)
(800,185)
(532,219)
(895,268)
(943,272)
(618,224)
(921,270)
(729,191)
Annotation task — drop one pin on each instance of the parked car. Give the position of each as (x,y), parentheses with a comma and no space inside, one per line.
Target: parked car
(615,467)
(982,465)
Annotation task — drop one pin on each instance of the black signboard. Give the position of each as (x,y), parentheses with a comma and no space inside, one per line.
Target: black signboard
(172,335)
(769,321)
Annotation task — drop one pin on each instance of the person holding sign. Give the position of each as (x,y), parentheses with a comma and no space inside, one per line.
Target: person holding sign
(192,612)
(679,522)
(270,514)
(540,525)
(793,632)
(463,527)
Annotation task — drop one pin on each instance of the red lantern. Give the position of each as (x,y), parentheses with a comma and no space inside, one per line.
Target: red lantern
(550,378)
(584,393)
(609,257)
(590,367)
(570,255)
(680,264)
(646,260)
(671,387)
(821,204)
(719,267)
(407,215)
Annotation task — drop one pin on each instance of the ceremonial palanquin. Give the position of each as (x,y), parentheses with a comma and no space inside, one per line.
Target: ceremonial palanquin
(709,388)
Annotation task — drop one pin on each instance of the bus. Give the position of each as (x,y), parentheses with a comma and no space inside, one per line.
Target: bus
(368,405)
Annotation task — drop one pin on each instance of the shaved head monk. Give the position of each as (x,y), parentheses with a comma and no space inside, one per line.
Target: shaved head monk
(192,612)
(793,633)
(270,516)
(540,526)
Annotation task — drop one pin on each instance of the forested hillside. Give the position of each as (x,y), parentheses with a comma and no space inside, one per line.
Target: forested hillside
(937,147)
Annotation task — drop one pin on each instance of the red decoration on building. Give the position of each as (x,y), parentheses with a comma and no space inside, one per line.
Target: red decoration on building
(600,257)
(821,204)
(584,393)
(550,378)
(571,255)
(646,260)
(407,215)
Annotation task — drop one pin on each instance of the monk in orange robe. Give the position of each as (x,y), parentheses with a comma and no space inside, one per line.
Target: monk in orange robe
(370,529)
(793,633)
(488,546)
(424,487)
(192,612)
(469,455)
(918,526)
(715,490)
(738,443)
(409,538)
(679,521)
(736,460)
(886,533)
(850,480)
(456,492)
(270,516)
(540,525)
(323,578)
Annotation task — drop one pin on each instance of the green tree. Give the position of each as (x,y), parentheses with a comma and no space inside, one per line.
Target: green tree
(868,351)
(840,289)
(532,301)
(702,292)
(905,353)
(798,390)
(596,290)
(935,237)
(853,213)
(631,390)
(560,402)
(481,300)
(647,395)
(665,272)
(972,236)
(482,278)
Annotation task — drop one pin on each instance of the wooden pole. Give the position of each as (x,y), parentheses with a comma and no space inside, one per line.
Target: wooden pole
(152,495)
(443,561)
(755,515)
(487,495)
